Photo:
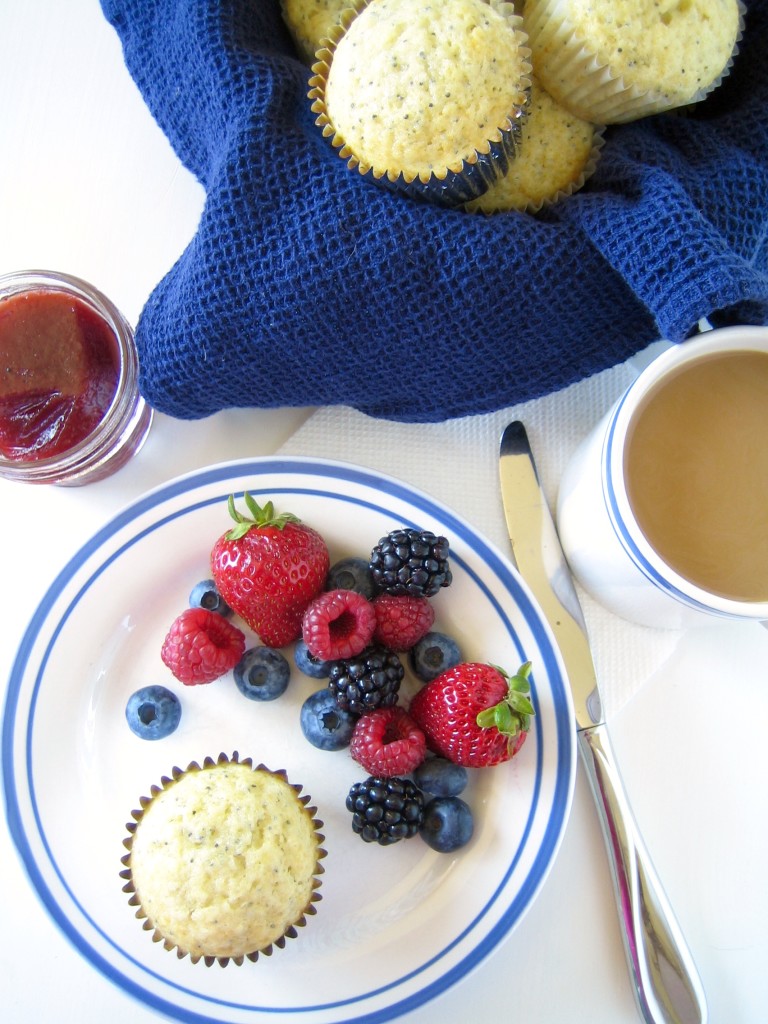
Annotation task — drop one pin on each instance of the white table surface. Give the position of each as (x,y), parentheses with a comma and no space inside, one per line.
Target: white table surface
(89,185)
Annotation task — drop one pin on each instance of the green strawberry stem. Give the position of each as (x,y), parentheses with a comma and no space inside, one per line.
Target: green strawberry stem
(259,517)
(512,715)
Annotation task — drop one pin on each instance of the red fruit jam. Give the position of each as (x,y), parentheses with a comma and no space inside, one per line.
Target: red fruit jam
(59,370)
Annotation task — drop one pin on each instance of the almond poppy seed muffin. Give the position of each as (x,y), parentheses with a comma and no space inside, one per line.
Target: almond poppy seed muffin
(425,92)
(311,21)
(610,61)
(222,860)
(558,152)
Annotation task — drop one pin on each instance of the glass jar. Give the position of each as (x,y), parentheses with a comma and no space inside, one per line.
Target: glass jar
(70,408)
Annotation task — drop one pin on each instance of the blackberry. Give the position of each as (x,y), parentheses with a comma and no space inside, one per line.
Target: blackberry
(385,811)
(367,681)
(411,562)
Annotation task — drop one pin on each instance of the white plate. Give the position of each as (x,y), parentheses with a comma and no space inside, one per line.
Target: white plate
(396,925)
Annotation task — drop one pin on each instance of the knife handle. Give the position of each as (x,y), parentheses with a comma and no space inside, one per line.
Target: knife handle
(666,984)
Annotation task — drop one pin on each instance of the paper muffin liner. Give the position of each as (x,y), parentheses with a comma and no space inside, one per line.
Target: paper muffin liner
(134,900)
(453,185)
(570,70)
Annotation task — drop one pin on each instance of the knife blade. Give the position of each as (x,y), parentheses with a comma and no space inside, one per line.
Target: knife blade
(665,981)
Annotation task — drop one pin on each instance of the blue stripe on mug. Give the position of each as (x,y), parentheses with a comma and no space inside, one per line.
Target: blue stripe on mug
(623,534)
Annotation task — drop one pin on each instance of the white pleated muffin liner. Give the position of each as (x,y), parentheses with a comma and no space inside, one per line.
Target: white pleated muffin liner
(594,92)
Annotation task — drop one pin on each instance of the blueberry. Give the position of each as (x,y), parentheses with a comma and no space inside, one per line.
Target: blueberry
(352,574)
(448,824)
(433,654)
(205,594)
(307,663)
(153,712)
(440,777)
(323,722)
(262,674)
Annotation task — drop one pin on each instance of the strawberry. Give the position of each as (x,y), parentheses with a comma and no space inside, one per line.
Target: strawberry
(402,620)
(268,568)
(475,715)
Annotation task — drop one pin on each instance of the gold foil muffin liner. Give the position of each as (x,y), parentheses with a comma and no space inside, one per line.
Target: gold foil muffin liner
(569,68)
(134,900)
(453,185)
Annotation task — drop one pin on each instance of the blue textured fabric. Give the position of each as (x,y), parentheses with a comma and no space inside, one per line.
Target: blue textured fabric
(307,285)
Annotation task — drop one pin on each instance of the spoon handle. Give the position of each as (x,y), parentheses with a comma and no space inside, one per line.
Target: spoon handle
(666,984)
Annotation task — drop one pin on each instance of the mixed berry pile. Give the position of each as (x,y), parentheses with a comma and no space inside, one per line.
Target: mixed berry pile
(351,624)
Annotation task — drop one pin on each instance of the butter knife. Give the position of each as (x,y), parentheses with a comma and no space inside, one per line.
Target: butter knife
(665,981)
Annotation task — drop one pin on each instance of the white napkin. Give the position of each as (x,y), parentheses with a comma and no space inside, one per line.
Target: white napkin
(456,462)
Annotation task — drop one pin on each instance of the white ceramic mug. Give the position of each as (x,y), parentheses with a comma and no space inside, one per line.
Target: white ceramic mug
(608,551)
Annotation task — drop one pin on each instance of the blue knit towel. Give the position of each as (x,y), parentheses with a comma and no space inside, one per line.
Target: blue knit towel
(307,285)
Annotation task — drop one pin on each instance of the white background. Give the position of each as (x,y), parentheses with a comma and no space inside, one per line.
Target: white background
(89,185)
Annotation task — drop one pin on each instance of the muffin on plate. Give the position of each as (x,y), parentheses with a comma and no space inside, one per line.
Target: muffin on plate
(426,98)
(223,860)
(558,152)
(311,21)
(619,60)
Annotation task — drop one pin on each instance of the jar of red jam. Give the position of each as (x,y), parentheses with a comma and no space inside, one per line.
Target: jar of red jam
(70,407)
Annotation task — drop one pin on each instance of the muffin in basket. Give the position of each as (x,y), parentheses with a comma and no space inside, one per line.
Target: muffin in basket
(558,153)
(223,860)
(619,60)
(311,21)
(425,98)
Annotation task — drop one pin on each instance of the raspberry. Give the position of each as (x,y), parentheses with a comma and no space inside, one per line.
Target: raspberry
(202,645)
(387,742)
(401,620)
(338,624)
